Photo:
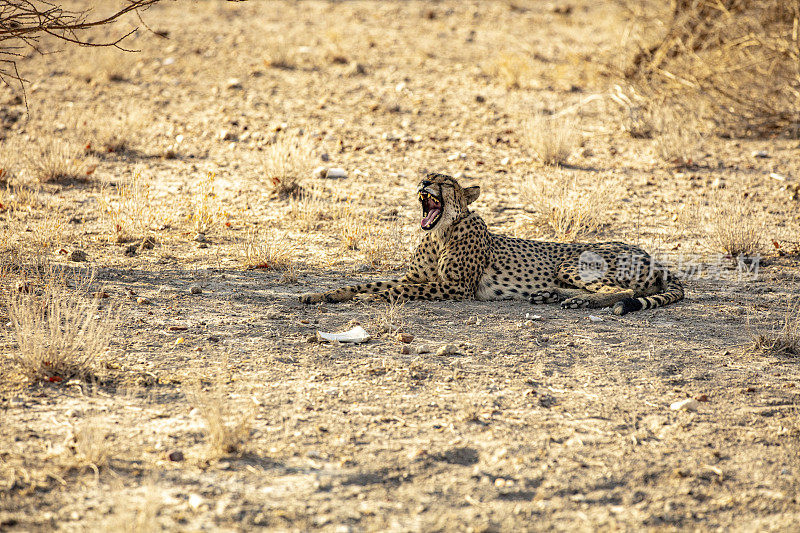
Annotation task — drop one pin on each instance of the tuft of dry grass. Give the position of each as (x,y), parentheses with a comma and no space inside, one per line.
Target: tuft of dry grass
(228,424)
(60,333)
(268,252)
(569,212)
(309,209)
(551,139)
(133,212)
(55,161)
(206,209)
(513,69)
(678,136)
(287,162)
(390,319)
(784,340)
(281,55)
(88,442)
(734,225)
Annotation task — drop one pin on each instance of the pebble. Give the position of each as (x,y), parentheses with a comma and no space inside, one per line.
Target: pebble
(423,348)
(175,455)
(78,256)
(195,289)
(195,501)
(595,318)
(407,350)
(200,237)
(689,404)
(336,173)
(213,338)
(226,135)
(234,84)
(760,154)
(701,397)
(405,337)
(505,161)
(447,349)
(325,157)
(530,316)
(141,300)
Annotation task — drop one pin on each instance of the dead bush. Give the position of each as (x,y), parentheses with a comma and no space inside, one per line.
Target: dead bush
(55,161)
(734,224)
(784,339)
(228,424)
(567,211)
(551,139)
(738,57)
(60,333)
(287,162)
(268,251)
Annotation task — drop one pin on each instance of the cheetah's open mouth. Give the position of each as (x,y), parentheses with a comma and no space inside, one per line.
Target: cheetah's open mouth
(431,209)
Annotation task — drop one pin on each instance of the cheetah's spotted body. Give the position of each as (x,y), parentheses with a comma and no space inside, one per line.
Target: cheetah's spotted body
(458,258)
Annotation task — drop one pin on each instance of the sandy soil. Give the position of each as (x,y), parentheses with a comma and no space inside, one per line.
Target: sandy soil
(557,422)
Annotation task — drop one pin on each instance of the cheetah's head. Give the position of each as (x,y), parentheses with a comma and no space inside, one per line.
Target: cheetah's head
(443,200)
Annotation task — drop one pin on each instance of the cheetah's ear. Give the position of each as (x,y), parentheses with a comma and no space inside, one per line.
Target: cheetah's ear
(471,194)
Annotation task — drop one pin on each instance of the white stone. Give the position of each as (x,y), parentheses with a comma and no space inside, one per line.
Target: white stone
(689,404)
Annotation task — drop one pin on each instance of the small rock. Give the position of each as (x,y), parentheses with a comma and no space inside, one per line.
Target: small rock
(195,501)
(141,300)
(423,348)
(528,323)
(689,404)
(593,318)
(195,289)
(202,245)
(335,173)
(701,397)
(505,161)
(175,456)
(480,98)
(213,338)
(177,328)
(226,135)
(168,61)
(447,349)
(405,337)
(319,172)
(200,237)
(406,349)
(78,256)
(760,154)
(530,316)
(233,84)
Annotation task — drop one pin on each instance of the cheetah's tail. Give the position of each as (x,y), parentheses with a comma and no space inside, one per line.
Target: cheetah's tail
(672,293)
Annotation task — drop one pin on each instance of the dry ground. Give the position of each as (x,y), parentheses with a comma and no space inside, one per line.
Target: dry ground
(561,422)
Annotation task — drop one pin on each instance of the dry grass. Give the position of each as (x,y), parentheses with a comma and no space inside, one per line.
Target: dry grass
(281,54)
(551,139)
(206,209)
(309,209)
(88,443)
(390,318)
(568,211)
(287,162)
(106,64)
(132,212)
(783,340)
(678,136)
(514,70)
(737,57)
(55,161)
(228,424)
(734,225)
(268,252)
(60,333)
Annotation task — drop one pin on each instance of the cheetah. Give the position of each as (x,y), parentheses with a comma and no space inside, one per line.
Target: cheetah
(458,258)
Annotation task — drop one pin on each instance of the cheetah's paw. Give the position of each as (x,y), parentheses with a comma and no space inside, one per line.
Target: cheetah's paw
(575,303)
(544,297)
(312,297)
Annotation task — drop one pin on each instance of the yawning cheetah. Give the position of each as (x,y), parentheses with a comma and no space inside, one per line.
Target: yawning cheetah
(458,258)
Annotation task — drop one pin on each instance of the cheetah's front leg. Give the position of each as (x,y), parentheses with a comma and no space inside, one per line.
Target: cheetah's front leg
(347,293)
